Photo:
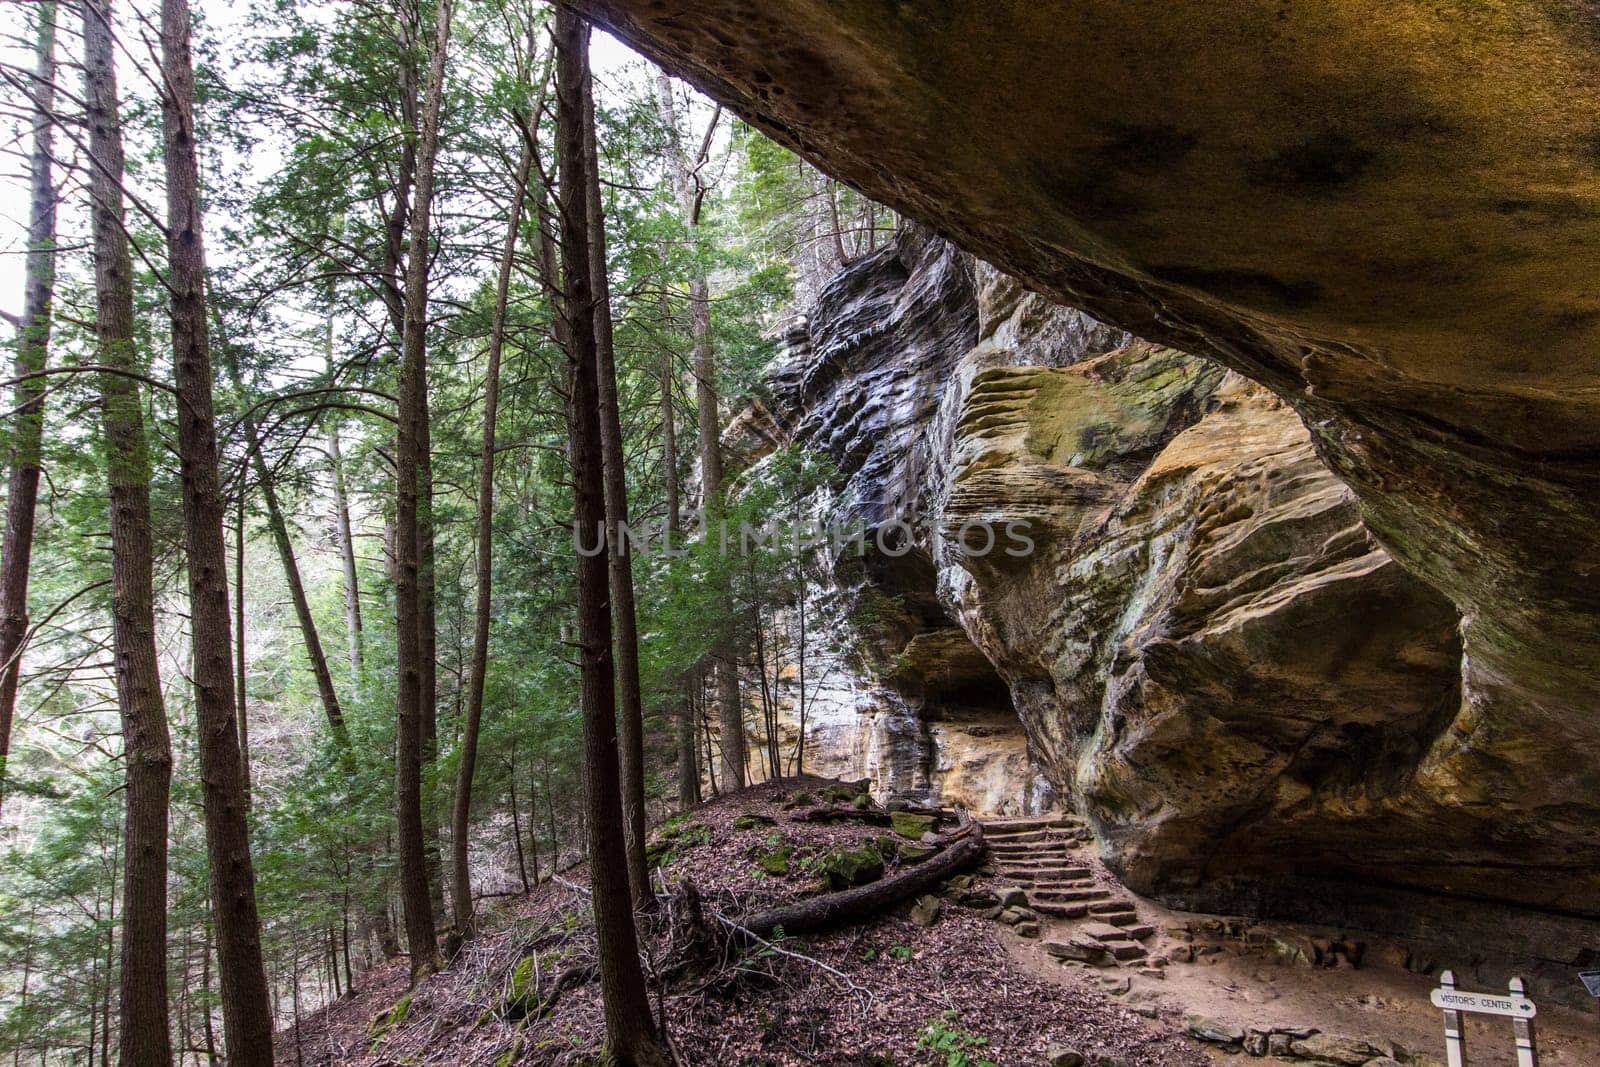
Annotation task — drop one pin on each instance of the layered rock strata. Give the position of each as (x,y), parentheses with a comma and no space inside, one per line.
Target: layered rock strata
(1387,213)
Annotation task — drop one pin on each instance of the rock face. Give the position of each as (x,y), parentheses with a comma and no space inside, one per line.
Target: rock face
(1386,213)
(1205,649)
(904,696)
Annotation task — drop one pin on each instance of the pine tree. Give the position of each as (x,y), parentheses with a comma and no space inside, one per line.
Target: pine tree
(142,1002)
(246,1006)
(630,1035)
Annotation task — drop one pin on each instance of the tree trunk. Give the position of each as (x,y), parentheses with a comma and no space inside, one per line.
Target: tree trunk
(347,550)
(291,575)
(478,665)
(833,219)
(516,834)
(205,987)
(730,708)
(144,1040)
(851,905)
(550,811)
(412,700)
(800,742)
(428,652)
(33,349)
(246,1009)
(630,701)
(241,695)
(630,1033)
(683,713)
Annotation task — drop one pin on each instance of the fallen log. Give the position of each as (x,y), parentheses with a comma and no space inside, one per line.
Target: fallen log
(870,816)
(963,848)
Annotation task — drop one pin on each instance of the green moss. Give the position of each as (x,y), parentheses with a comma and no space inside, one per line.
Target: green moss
(385,1021)
(911,825)
(843,794)
(775,862)
(675,837)
(844,868)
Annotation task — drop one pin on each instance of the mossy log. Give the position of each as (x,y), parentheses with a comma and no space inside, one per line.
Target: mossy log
(831,813)
(962,849)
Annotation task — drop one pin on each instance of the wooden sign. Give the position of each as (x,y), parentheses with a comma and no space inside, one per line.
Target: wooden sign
(1485,1003)
(1516,1005)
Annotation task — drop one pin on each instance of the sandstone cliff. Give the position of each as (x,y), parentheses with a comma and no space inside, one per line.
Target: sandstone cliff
(1206,650)
(1387,214)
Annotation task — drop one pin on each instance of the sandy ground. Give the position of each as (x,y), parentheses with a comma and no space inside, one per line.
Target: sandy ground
(1245,985)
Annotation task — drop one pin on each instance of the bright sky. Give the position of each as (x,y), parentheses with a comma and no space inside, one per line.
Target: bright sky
(613,63)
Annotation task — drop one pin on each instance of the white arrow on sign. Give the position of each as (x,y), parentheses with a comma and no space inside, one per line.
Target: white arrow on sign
(1484,1003)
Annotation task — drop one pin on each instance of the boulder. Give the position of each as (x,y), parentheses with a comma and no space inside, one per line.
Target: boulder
(844,868)
(1203,1028)
(1337,1049)
(925,912)
(1063,1056)
(911,825)
(981,899)
(1081,949)
(1012,896)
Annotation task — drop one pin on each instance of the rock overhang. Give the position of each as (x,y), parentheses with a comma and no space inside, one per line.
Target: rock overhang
(1388,213)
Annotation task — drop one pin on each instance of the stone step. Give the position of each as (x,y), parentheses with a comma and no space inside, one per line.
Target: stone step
(1125,950)
(1030,861)
(1042,852)
(1031,822)
(1042,884)
(1065,874)
(1065,895)
(1038,858)
(1119,904)
(1033,844)
(1123,919)
(1103,931)
(1059,868)
(1075,910)
(1082,949)
(1016,837)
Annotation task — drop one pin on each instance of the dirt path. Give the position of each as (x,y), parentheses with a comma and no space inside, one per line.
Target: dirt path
(1247,986)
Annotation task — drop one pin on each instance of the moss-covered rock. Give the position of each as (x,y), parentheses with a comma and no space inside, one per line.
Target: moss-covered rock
(847,867)
(675,837)
(522,992)
(911,825)
(385,1021)
(775,861)
(846,793)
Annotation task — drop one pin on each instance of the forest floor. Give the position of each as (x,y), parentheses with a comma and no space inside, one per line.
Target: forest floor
(865,995)
(889,991)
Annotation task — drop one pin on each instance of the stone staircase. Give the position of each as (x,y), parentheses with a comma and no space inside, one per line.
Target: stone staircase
(1039,855)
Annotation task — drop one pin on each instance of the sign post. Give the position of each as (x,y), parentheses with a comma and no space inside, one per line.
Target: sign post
(1591,982)
(1455,1042)
(1514,1005)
